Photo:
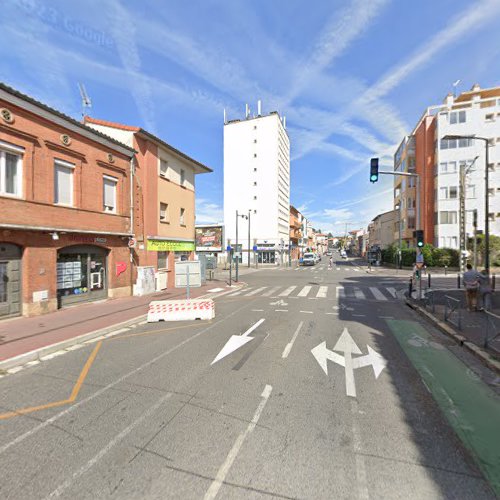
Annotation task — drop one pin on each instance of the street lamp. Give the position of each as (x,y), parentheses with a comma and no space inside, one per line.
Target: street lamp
(486,195)
(237,247)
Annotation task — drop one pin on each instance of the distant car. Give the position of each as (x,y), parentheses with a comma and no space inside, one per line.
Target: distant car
(309,259)
(329,253)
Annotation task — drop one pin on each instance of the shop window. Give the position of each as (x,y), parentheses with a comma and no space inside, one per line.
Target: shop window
(162,260)
(63,182)
(109,193)
(11,171)
(181,256)
(164,212)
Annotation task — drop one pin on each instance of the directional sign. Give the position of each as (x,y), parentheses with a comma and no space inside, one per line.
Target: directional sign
(236,341)
(347,345)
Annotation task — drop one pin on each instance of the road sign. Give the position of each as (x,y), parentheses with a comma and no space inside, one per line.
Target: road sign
(347,345)
(237,341)
(228,248)
(420,258)
(132,242)
(188,274)
(255,247)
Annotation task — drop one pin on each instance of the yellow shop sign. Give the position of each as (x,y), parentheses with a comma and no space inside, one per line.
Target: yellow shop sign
(170,246)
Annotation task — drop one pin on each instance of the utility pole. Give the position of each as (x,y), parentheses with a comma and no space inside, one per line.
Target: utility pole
(248,238)
(237,256)
(462,217)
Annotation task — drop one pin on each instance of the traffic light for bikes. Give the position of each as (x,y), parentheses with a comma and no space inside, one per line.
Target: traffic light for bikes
(374,170)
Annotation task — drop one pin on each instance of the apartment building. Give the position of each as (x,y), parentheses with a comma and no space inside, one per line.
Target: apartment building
(295,232)
(381,230)
(164,204)
(448,166)
(257,186)
(65,218)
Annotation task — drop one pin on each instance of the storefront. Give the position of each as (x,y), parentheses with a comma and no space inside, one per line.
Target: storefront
(266,253)
(10,280)
(81,274)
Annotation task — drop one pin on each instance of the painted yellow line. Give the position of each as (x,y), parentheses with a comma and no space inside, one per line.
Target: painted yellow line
(71,399)
(163,330)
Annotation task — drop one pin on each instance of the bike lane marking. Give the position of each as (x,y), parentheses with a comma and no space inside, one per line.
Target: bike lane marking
(470,406)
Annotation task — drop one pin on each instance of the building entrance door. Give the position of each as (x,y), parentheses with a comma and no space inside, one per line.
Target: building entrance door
(10,280)
(267,257)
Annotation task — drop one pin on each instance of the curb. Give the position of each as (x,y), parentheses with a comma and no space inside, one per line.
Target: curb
(477,351)
(41,352)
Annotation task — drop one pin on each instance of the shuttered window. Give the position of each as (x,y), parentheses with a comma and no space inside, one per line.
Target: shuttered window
(63,183)
(109,193)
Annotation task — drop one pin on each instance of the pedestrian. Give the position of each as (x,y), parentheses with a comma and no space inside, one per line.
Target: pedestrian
(471,282)
(330,263)
(485,290)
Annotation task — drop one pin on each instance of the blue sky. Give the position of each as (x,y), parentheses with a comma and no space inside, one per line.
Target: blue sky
(351,76)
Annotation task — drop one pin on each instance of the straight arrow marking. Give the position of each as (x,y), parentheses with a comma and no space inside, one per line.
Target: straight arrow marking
(236,341)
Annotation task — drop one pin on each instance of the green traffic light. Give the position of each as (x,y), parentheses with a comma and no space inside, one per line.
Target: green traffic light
(374,178)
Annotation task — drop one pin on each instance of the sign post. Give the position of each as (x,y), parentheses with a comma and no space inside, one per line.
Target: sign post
(229,251)
(255,255)
(188,275)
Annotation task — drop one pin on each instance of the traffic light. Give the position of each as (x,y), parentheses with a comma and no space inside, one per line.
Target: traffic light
(419,234)
(374,170)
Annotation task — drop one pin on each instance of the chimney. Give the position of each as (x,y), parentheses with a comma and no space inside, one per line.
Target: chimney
(449,100)
(247,111)
(475,88)
(259,108)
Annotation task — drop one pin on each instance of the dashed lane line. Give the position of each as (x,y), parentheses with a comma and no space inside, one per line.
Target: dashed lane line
(289,346)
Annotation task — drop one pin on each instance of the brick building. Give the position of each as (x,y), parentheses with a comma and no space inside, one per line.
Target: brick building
(164,204)
(295,232)
(65,217)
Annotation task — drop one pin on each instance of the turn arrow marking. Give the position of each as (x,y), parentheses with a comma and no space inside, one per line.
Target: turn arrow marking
(237,341)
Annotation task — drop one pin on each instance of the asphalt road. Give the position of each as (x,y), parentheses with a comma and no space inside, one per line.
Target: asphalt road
(148,413)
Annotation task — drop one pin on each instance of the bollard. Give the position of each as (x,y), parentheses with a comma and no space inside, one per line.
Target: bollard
(429,280)
(410,287)
(458,280)
(493,279)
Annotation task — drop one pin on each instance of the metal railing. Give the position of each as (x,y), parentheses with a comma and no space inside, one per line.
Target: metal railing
(492,326)
(452,307)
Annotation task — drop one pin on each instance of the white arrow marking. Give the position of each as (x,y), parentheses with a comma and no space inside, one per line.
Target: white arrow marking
(236,341)
(372,358)
(347,345)
(322,355)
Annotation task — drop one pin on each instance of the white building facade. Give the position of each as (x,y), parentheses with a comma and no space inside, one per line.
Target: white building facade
(474,113)
(257,186)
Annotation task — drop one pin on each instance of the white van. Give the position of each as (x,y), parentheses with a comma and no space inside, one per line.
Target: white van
(309,259)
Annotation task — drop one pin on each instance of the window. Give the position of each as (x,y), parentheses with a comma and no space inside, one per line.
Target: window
(255,155)
(457,117)
(447,217)
(453,192)
(491,217)
(162,260)
(63,183)
(470,191)
(255,169)
(164,212)
(452,167)
(182,220)
(163,168)
(490,117)
(255,197)
(255,183)
(109,193)
(11,172)
(255,141)
(443,168)
(183,177)
(443,193)
(491,191)
(491,167)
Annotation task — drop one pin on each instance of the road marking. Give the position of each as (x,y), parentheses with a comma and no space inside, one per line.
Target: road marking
(322,292)
(106,388)
(392,291)
(224,469)
(271,291)
(305,291)
(334,314)
(359,315)
(361,481)
(287,291)
(281,310)
(72,397)
(257,310)
(359,294)
(119,437)
(377,293)
(257,290)
(238,292)
(289,346)
(306,312)
(339,291)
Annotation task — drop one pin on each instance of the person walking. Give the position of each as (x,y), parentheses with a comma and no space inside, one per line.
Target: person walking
(330,263)
(485,290)
(471,282)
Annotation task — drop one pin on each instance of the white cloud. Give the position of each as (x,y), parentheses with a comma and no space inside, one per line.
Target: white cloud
(208,212)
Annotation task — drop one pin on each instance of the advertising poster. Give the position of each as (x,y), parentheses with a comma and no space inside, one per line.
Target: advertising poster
(209,238)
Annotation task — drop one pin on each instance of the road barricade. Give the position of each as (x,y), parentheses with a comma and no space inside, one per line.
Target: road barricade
(181,310)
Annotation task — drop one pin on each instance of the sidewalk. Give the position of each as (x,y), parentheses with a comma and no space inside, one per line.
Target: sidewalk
(20,336)
(469,329)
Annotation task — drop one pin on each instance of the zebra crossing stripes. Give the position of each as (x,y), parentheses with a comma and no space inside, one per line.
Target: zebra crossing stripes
(287,291)
(239,292)
(323,290)
(377,293)
(305,291)
(271,291)
(392,291)
(254,292)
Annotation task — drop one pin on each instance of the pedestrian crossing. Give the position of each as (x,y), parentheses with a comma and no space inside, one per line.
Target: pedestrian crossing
(380,293)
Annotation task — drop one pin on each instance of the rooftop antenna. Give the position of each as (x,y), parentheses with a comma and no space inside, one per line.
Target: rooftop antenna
(455,84)
(86,102)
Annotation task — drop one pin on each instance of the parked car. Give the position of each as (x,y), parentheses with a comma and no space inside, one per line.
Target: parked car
(309,259)
(329,253)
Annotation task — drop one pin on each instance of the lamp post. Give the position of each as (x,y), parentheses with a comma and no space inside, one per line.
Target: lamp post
(486,195)
(248,238)
(237,246)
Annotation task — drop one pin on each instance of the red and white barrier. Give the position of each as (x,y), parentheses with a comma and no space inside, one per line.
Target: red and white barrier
(181,310)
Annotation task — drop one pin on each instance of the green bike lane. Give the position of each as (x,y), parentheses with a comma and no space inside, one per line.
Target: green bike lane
(471,407)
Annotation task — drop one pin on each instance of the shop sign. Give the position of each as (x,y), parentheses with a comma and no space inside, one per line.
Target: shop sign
(208,239)
(170,246)
(86,239)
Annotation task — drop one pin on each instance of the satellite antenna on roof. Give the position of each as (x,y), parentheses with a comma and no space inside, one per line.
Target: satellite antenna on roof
(86,102)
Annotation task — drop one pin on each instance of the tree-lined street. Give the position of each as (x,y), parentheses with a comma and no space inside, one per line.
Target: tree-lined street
(325,390)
